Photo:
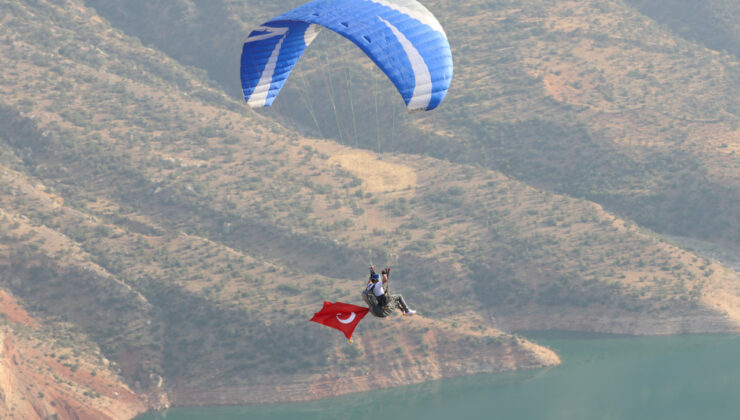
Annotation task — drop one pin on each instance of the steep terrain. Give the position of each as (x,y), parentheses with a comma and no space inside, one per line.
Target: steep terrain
(189,239)
(625,111)
(54,372)
(621,111)
(133,245)
(711,23)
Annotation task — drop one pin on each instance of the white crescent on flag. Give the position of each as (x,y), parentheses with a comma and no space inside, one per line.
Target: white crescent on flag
(347,320)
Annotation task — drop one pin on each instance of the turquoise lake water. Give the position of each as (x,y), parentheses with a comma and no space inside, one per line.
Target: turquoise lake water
(677,377)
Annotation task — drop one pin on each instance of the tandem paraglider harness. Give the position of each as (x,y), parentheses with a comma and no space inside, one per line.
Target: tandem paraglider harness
(378,304)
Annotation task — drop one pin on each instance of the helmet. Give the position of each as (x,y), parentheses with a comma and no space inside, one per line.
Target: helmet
(375,277)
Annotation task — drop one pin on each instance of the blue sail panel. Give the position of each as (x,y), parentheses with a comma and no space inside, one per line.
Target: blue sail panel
(400,36)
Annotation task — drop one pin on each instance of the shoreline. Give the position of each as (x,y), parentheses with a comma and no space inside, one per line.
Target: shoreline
(533,336)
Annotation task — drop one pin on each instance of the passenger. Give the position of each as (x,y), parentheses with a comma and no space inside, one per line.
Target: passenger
(385,300)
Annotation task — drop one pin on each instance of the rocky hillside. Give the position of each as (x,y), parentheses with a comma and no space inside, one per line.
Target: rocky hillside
(188,239)
(712,23)
(48,370)
(632,105)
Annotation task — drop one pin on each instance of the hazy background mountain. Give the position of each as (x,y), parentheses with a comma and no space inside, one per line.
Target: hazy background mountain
(158,232)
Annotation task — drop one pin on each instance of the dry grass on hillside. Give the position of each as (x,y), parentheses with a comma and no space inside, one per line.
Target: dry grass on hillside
(197,226)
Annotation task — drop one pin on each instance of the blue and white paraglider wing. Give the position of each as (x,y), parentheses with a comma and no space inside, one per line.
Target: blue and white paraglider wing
(401,36)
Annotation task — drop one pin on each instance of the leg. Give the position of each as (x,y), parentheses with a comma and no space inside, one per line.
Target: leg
(399,303)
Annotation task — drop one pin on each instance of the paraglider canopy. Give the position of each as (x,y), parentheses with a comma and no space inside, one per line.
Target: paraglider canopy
(401,36)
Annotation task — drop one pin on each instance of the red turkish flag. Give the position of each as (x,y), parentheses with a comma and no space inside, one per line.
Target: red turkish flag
(341,316)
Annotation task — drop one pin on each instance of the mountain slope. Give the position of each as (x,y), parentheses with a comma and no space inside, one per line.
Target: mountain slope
(618,110)
(191,238)
(711,23)
(591,99)
(118,244)
(51,371)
